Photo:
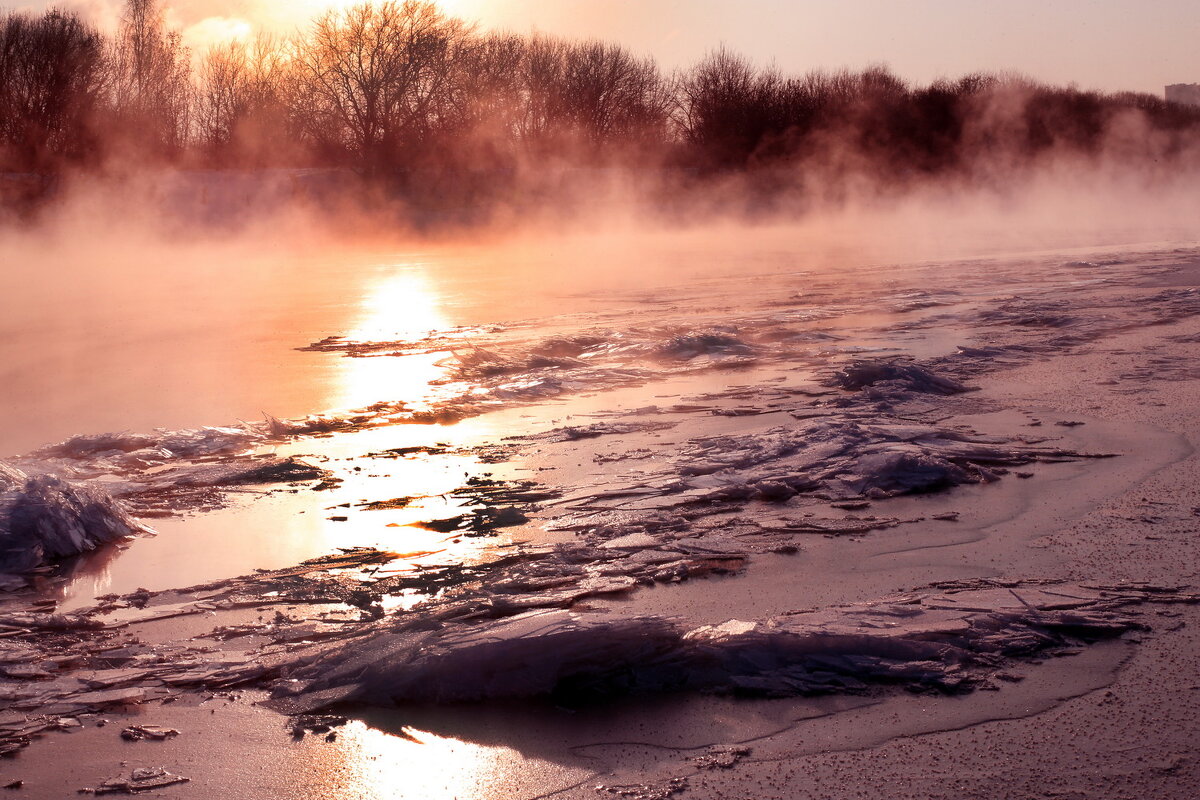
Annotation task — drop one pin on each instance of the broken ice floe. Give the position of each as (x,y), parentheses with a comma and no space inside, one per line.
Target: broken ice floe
(491,504)
(574,433)
(901,375)
(945,641)
(155,733)
(44,518)
(504,629)
(140,779)
(128,454)
(193,486)
(514,371)
(157,447)
(136,454)
(72,497)
(502,364)
(721,756)
(651,535)
(167,471)
(604,348)
(661,790)
(56,664)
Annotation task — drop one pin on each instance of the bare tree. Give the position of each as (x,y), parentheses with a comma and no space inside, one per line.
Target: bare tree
(613,98)
(544,104)
(241,114)
(477,116)
(51,84)
(396,85)
(151,82)
(370,78)
(726,107)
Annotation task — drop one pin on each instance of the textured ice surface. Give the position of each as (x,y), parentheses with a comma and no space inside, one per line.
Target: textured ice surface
(832,457)
(746,467)
(165,444)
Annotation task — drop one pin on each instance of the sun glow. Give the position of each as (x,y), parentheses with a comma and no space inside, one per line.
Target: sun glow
(458,8)
(208,24)
(213,31)
(301,12)
(400,307)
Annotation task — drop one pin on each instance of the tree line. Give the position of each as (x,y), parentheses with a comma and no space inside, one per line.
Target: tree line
(386,88)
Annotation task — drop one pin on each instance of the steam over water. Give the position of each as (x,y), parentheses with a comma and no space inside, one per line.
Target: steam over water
(129,334)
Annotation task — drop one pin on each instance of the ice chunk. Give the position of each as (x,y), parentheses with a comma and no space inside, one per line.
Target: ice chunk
(633,541)
(44,518)
(733,627)
(137,733)
(110,697)
(142,779)
(566,655)
(274,470)
(189,443)
(662,790)
(721,756)
(689,345)
(898,471)
(845,457)
(532,654)
(861,374)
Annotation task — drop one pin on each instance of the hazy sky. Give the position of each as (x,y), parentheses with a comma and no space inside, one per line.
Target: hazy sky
(1106,44)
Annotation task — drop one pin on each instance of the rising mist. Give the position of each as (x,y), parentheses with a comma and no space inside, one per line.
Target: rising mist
(398,115)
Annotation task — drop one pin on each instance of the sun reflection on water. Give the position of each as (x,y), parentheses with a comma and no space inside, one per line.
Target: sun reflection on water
(404,307)
(421,765)
(401,303)
(401,306)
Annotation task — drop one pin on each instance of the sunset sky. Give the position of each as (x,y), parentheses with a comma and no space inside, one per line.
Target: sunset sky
(1104,44)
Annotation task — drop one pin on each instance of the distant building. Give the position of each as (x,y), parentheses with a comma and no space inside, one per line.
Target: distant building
(1186,93)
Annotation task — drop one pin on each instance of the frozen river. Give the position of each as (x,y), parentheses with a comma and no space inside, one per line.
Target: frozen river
(492,341)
